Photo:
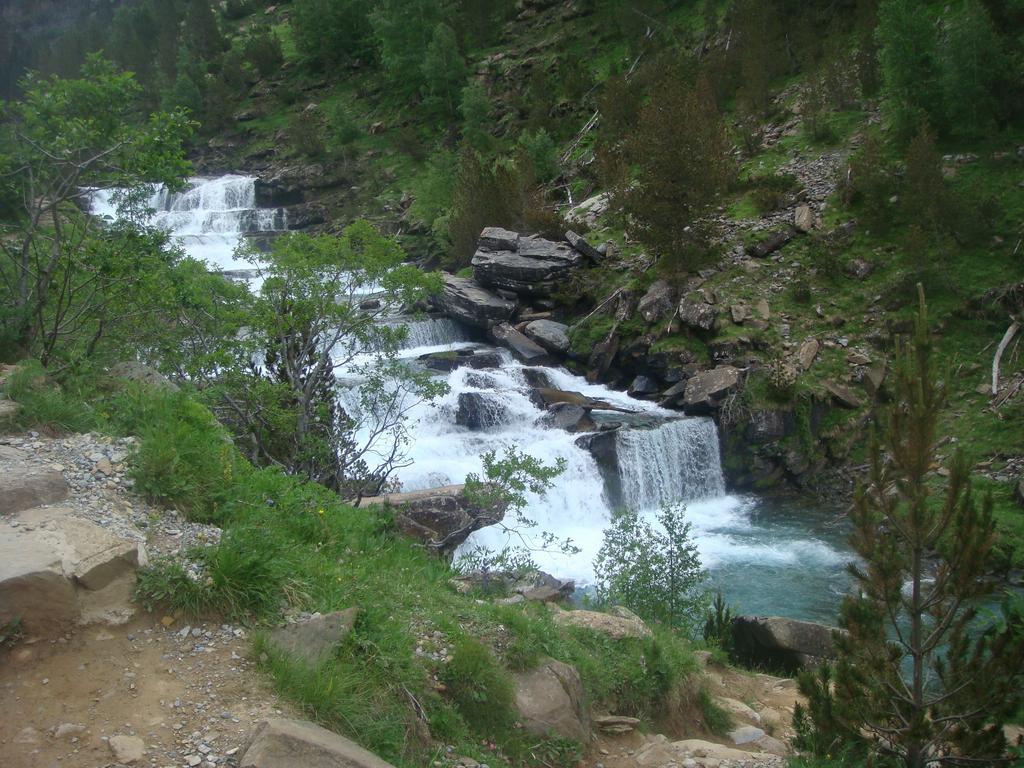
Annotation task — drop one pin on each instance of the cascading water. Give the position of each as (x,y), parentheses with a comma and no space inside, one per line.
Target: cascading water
(766,558)
(677,461)
(208,219)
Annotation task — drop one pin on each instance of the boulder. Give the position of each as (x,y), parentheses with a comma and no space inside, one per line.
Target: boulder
(462,358)
(706,390)
(843,395)
(659,302)
(697,314)
(522,348)
(567,416)
(739,312)
(604,448)
(763,310)
(770,244)
(498,239)
(589,211)
(549,700)
(127,750)
(615,627)
(282,743)
(553,336)
(584,248)
(803,218)
(442,518)
(536,269)
(314,640)
(479,410)
(643,386)
(807,353)
(33,588)
(859,269)
(874,378)
(463,299)
(24,485)
(776,641)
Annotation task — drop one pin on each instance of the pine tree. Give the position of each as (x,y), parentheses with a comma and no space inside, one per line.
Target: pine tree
(921,675)
(909,62)
(444,71)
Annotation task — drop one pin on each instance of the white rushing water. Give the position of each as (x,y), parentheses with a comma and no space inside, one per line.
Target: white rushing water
(676,461)
(765,558)
(208,219)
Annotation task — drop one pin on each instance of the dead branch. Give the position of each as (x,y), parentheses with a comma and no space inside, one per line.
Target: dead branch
(1007,338)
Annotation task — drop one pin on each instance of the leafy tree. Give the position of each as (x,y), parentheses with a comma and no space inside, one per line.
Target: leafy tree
(304,327)
(444,71)
(921,675)
(908,54)
(63,276)
(656,573)
(330,33)
(681,153)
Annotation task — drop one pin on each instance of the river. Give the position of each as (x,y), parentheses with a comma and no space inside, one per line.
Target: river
(767,556)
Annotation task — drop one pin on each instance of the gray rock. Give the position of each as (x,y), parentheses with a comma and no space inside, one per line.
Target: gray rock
(589,211)
(479,410)
(567,416)
(643,386)
(770,244)
(132,370)
(462,298)
(462,358)
(585,248)
(536,269)
(551,335)
(706,390)
(807,353)
(658,302)
(522,348)
(768,426)
(739,312)
(498,239)
(127,750)
(843,395)
(281,743)
(441,518)
(314,640)
(697,314)
(775,640)
(23,485)
(803,218)
(550,700)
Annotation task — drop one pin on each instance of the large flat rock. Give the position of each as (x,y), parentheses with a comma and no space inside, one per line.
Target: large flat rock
(24,485)
(282,743)
(464,299)
(536,268)
(33,588)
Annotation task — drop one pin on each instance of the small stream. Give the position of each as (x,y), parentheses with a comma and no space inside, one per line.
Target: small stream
(766,556)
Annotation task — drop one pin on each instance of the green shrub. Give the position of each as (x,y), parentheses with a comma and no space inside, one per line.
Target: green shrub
(306,133)
(718,624)
(716,719)
(479,686)
(185,458)
(45,404)
(772,192)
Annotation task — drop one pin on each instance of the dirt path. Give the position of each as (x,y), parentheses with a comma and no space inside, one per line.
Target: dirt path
(192,696)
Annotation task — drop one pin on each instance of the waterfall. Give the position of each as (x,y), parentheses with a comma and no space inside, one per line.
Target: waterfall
(677,461)
(436,332)
(208,219)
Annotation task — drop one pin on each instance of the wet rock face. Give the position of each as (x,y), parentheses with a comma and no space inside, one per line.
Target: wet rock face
(478,410)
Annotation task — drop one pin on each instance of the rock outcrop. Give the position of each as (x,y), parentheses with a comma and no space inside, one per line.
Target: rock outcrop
(442,518)
(464,299)
(522,348)
(315,639)
(282,743)
(780,642)
(706,390)
(535,267)
(549,700)
(553,336)
(615,627)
